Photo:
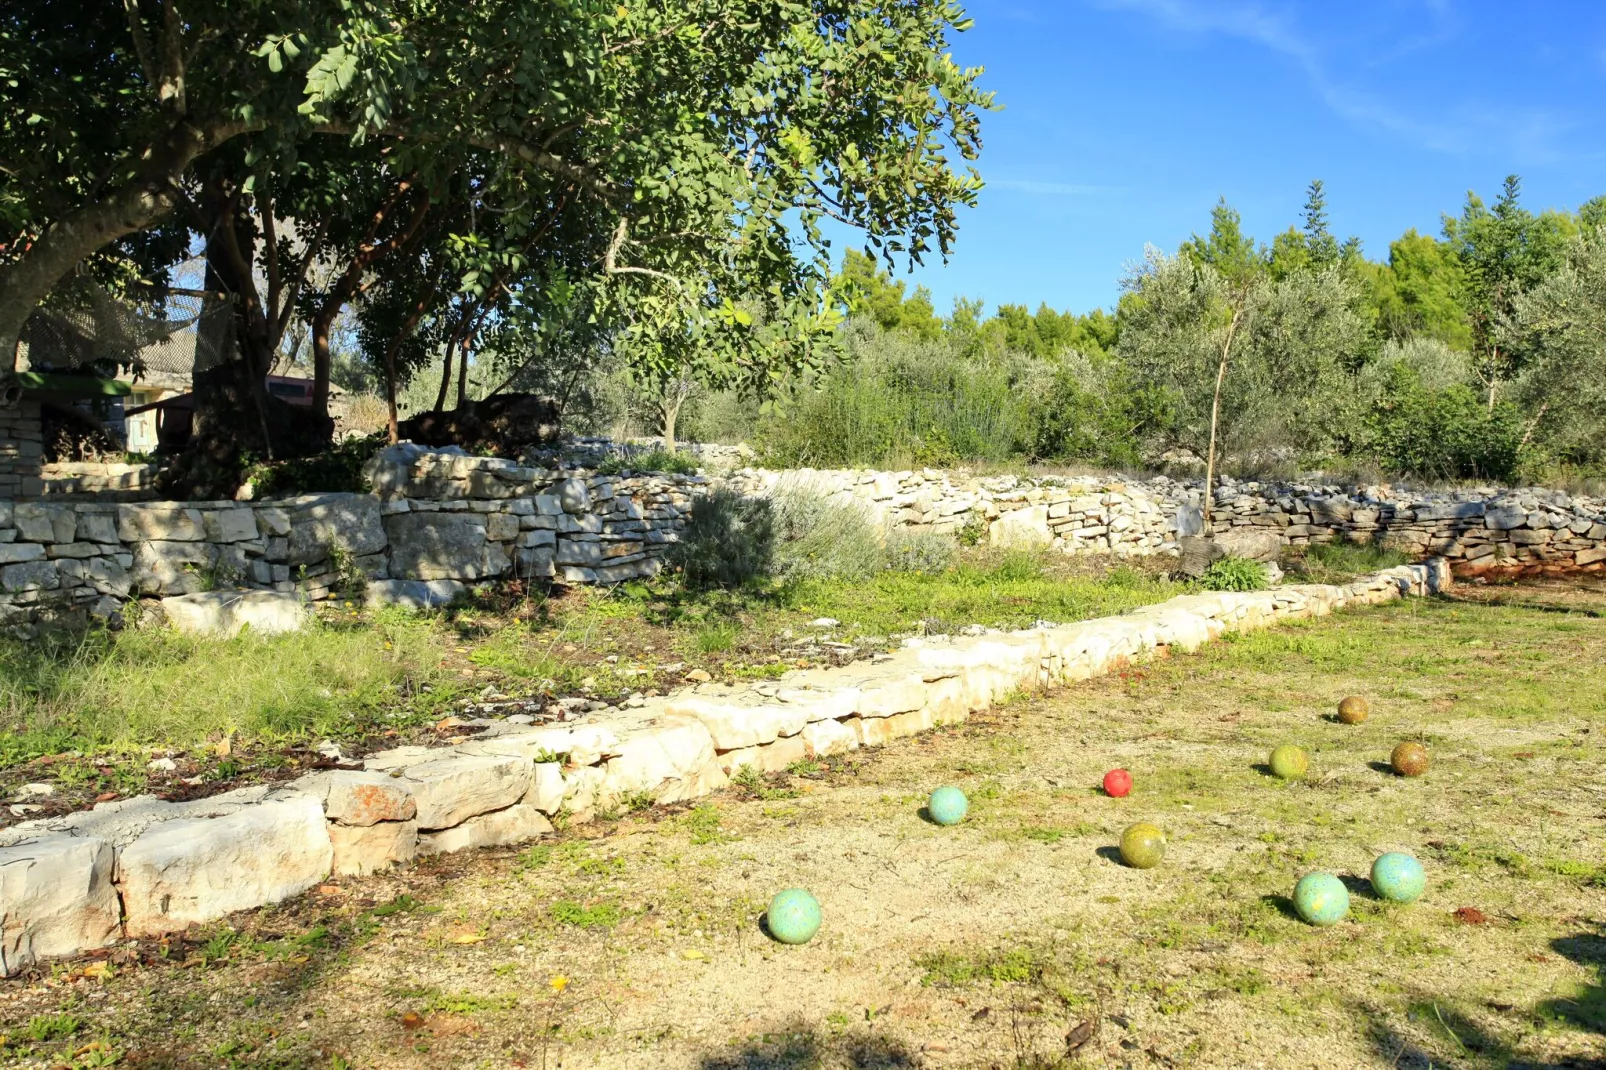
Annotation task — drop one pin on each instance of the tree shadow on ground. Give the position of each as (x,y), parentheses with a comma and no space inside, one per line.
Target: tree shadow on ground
(800,1047)
(1458,1039)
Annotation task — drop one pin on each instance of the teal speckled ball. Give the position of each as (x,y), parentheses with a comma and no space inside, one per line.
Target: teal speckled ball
(793,917)
(1398,877)
(1321,899)
(947,805)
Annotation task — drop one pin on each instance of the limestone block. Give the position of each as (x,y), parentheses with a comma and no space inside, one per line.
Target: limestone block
(770,758)
(228,613)
(515,824)
(159,523)
(12,553)
(574,496)
(501,527)
(888,695)
(414,594)
(97,527)
(230,525)
(1022,528)
(1591,556)
(320,521)
(735,725)
(172,567)
(582,791)
(1256,544)
(450,790)
(582,744)
(821,704)
(45,523)
(872,731)
(182,872)
(673,760)
(56,898)
(360,797)
(361,850)
(30,576)
(442,546)
(546,788)
(1505,518)
(824,738)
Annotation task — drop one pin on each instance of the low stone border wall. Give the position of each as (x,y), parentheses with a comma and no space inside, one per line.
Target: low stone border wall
(142,867)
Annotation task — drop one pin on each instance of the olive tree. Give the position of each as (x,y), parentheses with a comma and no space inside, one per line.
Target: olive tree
(1239,359)
(1561,324)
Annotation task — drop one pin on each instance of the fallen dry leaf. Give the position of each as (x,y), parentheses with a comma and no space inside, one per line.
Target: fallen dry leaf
(412,1020)
(465,936)
(1081,1033)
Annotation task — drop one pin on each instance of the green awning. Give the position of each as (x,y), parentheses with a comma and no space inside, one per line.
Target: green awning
(77,386)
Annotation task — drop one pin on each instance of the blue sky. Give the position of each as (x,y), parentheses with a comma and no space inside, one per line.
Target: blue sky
(1124,120)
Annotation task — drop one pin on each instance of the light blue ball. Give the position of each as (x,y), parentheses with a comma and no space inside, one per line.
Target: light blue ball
(1321,899)
(793,917)
(1398,877)
(947,805)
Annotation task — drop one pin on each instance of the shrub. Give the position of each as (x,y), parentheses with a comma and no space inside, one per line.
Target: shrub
(1234,574)
(653,461)
(1444,433)
(820,536)
(338,468)
(728,542)
(920,552)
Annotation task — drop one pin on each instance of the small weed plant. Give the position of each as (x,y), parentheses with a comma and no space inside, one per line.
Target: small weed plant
(1234,574)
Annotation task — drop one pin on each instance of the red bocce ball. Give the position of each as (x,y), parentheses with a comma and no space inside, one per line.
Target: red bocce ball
(1117,783)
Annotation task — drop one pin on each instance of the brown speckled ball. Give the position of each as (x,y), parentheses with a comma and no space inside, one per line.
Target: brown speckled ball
(1409,759)
(1353,710)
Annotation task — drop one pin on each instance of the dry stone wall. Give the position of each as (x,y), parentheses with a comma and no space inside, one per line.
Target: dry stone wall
(21,450)
(441,520)
(142,867)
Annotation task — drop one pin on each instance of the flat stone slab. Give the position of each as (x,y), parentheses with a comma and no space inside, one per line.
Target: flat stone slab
(415,594)
(183,872)
(56,898)
(228,613)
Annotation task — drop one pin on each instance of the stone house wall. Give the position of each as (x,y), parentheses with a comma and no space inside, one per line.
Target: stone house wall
(22,444)
(438,520)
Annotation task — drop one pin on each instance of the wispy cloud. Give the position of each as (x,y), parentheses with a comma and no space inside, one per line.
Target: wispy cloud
(1530,133)
(1051,189)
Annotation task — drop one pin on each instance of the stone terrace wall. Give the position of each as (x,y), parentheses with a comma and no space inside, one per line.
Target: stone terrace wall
(1527,530)
(142,867)
(102,481)
(441,519)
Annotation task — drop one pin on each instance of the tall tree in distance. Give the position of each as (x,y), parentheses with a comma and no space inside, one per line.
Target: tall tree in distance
(1502,251)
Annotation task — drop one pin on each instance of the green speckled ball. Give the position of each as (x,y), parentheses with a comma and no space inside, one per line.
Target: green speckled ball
(1142,845)
(1321,899)
(947,805)
(1289,762)
(793,917)
(1398,877)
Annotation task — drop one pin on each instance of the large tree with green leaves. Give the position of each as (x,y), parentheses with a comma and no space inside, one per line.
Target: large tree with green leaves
(1220,342)
(1503,251)
(696,146)
(1561,326)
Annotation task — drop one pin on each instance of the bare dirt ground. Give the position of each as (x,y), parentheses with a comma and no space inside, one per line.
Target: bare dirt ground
(1016,939)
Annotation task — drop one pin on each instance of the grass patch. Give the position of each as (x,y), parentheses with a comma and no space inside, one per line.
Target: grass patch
(954,969)
(1341,562)
(579,916)
(138,688)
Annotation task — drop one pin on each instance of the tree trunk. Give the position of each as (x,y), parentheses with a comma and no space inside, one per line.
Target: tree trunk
(1215,418)
(124,210)
(669,413)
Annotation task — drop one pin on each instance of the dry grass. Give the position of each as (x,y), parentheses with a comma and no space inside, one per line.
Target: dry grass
(635,944)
